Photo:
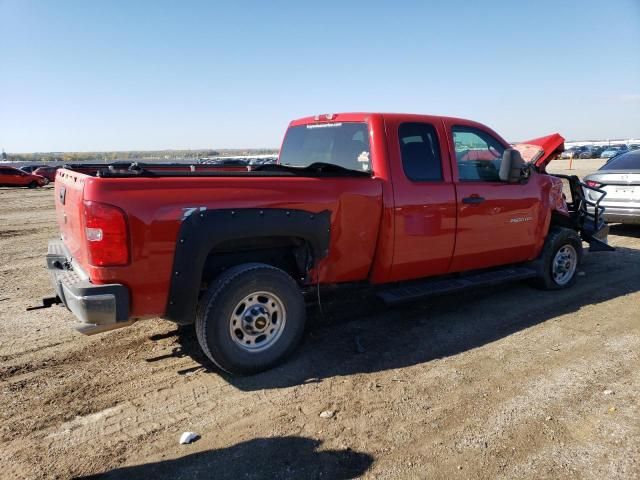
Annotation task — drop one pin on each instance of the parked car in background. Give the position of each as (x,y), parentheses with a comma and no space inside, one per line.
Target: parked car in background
(613,151)
(30,168)
(634,146)
(568,153)
(14,177)
(580,150)
(577,152)
(592,151)
(620,179)
(47,172)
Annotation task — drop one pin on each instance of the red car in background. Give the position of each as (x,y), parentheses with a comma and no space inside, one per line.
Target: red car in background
(12,177)
(47,172)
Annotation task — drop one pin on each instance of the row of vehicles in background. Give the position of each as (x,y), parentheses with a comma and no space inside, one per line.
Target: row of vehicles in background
(19,177)
(38,175)
(239,161)
(597,151)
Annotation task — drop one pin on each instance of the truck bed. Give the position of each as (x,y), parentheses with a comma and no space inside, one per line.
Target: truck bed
(158,199)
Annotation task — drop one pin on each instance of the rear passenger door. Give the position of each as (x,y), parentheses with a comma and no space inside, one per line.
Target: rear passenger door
(497,221)
(424,197)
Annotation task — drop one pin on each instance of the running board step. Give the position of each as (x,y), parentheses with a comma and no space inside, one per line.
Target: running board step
(430,288)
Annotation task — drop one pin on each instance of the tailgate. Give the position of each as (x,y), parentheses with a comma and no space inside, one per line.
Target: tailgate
(69,188)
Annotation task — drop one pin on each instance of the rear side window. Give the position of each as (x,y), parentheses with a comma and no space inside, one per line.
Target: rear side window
(345,144)
(478,155)
(626,161)
(420,152)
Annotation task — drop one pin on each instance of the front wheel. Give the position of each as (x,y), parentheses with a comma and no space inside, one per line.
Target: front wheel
(33,184)
(559,260)
(251,318)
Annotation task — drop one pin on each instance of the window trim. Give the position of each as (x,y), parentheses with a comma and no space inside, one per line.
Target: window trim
(476,130)
(438,151)
(367,137)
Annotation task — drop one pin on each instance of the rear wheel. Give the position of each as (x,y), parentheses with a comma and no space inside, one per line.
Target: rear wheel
(251,318)
(559,260)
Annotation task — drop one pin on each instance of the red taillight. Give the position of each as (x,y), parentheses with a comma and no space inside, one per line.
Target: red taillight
(105,229)
(592,184)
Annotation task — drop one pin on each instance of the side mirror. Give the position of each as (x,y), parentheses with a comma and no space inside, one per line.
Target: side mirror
(511,168)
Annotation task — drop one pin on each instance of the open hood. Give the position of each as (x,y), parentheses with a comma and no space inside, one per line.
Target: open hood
(540,151)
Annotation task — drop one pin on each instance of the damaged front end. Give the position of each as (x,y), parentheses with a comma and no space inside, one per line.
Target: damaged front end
(581,214)
(585,215)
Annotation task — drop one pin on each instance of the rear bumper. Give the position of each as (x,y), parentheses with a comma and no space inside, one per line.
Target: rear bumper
(98,308)
(622,215)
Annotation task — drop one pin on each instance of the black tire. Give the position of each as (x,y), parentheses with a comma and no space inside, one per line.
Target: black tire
(557,239)
(33,184)
(230,293)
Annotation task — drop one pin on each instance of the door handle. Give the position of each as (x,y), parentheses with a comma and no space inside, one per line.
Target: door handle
(473,200)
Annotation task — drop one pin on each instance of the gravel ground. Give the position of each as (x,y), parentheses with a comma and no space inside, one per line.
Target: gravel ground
(506,382)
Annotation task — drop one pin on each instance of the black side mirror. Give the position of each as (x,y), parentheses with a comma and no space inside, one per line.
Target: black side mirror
(512,168)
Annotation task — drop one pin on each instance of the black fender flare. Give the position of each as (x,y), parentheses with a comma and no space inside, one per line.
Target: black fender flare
(202,230)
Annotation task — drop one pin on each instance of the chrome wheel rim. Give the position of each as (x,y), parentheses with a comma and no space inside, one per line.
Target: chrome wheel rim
(257,321)
(564,264)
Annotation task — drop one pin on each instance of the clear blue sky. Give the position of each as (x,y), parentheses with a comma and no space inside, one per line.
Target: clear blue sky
(120,75)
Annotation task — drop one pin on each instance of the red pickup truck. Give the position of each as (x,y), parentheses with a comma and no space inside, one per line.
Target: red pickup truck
(412,205)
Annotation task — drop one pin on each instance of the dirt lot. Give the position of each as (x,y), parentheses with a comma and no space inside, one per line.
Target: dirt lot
(509,383)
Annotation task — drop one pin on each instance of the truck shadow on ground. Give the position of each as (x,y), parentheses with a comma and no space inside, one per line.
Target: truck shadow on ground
(277,458)
(358,334)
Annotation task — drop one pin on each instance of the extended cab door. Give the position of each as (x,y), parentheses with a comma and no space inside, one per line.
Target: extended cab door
(424,197)
(497,221)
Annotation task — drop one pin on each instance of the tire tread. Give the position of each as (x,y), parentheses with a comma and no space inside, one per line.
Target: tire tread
(218,287)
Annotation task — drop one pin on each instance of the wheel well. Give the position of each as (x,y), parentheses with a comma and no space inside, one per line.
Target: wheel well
(560,220)
(210,241)
(291,254)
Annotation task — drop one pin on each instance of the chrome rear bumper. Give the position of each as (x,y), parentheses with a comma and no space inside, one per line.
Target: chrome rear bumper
(97,307)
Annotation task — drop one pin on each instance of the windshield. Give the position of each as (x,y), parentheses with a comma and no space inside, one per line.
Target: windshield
(345,144)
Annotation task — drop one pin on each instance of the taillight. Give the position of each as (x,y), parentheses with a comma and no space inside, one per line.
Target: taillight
(592,184)
(105,229)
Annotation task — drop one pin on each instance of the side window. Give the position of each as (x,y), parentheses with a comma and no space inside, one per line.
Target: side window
(420,152)
(478,155)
